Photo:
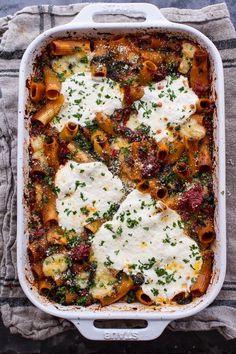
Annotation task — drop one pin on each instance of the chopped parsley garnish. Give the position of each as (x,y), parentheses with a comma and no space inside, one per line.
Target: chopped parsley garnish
(166,278)
(119,231)
(109,227)
(61,76)
(77,115)
(108,262)
(84,210)
(111,211)
(166,239)
(89,220)
(68,211)
(143,128)
(124,150)
(78,101)
(84,60)
(82,301)
(171,94)
(56,190)
(79,184)
(98,101)
(148,265)
(82,197)
(155,291)
(131,223)
(160,272)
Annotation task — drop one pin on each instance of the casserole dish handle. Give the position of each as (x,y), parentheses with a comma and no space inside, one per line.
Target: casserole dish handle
(149,12)
(153,330)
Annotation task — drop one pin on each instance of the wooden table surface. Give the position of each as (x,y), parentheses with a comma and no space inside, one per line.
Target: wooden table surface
(72,342)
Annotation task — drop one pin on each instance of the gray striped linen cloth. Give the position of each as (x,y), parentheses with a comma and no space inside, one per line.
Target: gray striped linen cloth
(16,33)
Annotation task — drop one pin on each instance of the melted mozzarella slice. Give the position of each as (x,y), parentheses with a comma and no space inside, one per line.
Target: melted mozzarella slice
(193,130)
(84,97)
(146,236)
(68,65)
(37,144)
(55,265)
(86,192)
(168,102)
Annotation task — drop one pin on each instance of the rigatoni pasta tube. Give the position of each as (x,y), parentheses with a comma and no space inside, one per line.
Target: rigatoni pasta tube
(77,154)
(44,286)
(37,169)
(38,190)
(70,297)
(37,269)
(48,211)
(144,186)
(182,170)
(176,149)
(37,249)
(100,47)
(68,47)
(201,284)
(101,144)
(124,49)
(51,151)
(180,297)
(128,172)
(157,42)
(69,131)
(206,234)
(143,298)
(157,190)
(163,150)
(152,55)
(94,226)
(147,72)
(171,202)
(135,174)
(60,280)
(133,93)
(52,84)
(199,75)
(49,110)
(192,151)
(204,105)
(36,90)
(204,158)
(55,236)
(98,70)
(105,123)
(125,285)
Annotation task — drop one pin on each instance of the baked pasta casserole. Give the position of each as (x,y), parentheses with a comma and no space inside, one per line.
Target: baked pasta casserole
(120,189)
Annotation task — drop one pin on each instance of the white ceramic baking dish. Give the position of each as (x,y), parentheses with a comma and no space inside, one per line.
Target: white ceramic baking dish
(158,317)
